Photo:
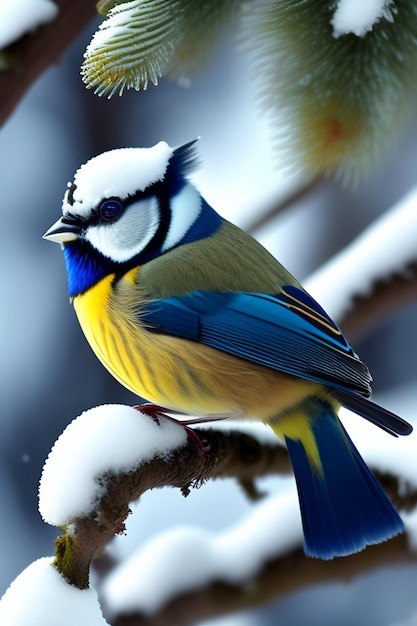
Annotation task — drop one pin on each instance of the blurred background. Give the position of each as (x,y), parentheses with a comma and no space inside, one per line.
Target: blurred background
(49,374)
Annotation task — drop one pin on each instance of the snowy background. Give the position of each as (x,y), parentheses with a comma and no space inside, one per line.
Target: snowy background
(49,374)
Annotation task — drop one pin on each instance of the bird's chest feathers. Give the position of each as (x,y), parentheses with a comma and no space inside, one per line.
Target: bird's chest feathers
(148,364)
(92,309)
(109,321)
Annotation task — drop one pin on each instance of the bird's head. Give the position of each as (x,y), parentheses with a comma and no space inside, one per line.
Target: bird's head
(126,207)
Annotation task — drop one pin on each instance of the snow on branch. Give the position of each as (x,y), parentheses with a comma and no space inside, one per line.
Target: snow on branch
(110,440)
(18,17)
(149,583)
(139,42)
(358,17)
(279,578)
(26,58)
(40,596)
(150,578)
(120,455)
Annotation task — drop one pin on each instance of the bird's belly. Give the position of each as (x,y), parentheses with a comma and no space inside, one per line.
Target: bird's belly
(181,374)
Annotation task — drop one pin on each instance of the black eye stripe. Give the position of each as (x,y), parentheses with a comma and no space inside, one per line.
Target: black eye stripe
(70,218)
(110,209)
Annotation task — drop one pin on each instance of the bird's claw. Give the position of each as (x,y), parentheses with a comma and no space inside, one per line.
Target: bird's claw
(156,412)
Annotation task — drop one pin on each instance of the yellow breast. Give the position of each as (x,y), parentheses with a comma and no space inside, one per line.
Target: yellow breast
(177,373)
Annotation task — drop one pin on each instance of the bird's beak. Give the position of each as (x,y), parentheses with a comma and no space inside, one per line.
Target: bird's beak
(62,232)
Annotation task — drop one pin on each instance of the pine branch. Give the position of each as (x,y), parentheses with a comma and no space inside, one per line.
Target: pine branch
(142,40)
(336,100)
(34,53)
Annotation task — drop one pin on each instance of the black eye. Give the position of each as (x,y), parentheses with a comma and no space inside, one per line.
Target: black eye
(110,209)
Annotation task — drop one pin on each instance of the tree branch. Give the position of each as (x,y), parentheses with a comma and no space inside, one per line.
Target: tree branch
(231,454)
(278,579)
(303,190)
(34,53)
(387,296)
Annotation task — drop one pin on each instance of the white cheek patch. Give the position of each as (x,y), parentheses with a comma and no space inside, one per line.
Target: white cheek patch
(129,235)
(185,209)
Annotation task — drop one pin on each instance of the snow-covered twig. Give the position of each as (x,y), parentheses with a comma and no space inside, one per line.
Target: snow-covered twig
(34,53)
(278,579)
(386,297)
(106,483)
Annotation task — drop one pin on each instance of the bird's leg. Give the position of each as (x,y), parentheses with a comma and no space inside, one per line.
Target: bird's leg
(155,412)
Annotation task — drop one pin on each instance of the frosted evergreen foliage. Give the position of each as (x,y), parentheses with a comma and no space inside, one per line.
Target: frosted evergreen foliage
(132,47)
(336,100)
(142,40)
(202,26)
(336,78)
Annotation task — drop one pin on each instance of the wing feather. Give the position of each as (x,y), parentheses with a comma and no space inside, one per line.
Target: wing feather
(288,332)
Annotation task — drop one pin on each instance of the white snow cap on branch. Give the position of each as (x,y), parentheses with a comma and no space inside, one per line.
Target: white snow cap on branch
(109,438)
(151,577)
(18,17)
(384,249)
(359,16)
(40,596)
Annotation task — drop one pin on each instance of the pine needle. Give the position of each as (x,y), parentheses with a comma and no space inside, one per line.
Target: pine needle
(336,102)
(132,47)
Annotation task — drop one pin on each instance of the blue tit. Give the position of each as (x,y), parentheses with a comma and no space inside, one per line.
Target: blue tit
(191,313)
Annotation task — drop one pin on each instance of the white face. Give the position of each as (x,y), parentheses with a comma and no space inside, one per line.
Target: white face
(130,234)
(139,222)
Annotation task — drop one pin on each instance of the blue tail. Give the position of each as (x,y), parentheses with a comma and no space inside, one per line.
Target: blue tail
(343,507)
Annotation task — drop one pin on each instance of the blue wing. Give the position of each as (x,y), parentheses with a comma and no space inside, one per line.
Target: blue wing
(288,332)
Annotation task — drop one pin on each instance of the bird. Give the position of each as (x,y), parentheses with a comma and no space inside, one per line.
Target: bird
(193,314)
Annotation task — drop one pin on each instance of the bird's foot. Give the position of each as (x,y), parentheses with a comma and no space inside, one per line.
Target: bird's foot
(156,412)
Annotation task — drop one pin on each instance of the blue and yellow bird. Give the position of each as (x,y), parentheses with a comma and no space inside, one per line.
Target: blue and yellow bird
(189,312)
